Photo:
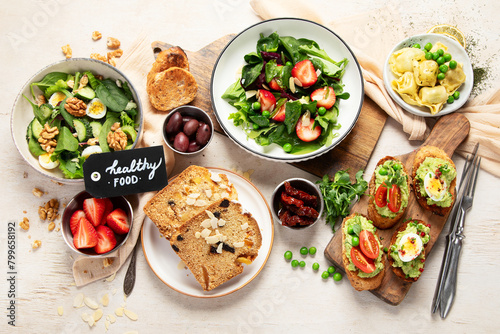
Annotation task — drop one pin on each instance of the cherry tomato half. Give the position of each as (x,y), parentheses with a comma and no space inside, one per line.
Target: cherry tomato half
(381,196)
(394,198)
(368,244)
(361,262)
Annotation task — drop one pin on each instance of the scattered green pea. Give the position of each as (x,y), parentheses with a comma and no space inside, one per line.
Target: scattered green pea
(255,126)
(350,230)
(295,263)
(428,55)
(315,266)
(302,264)
(441,76)
(382,171)
(447,56)
(256,105)
(321,111)
(331,269)
(443,68)
(456,95)
(325,275)
(440,52)
(355,241)
(435,55)
(440,60)
(416,45)
(266,113)
(287,147)
(337,277)
(428,46)
(289,63)
(312,250)
(304,251)
(288,255)
(453,64)
(451,99)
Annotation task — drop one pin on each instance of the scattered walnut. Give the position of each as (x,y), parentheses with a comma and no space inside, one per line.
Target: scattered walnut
(113,43)
(96,35)
(111,61)
(66,49)
(41,100)
(49,210)
(36,244)
(93,141)
(25,225)
(116,53)
(75,107)
(37,192)
(98,57)
(117,139)
(47,138)
(51,226)
(83,81)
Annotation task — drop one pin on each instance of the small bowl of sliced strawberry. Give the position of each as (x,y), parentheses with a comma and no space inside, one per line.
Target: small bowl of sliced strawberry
(96,226)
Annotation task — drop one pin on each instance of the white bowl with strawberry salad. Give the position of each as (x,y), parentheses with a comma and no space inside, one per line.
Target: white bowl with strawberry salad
(306,109)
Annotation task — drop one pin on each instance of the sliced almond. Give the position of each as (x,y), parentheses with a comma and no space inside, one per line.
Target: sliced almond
(111,278)
(213,222)
(239,244)
(215,177)
(97,315)
(221,222)
(197,234)
(213,239)
(90,303)
(105,300)
(206,223)
(106,325)
(194,195)
(119,311)
(208,193)
(190,201)
(131,315)
(85,316)
(291,83)
(205,233)
(91,321)
(250,93)
(200,202)
(78,301)
(219,248)
(60,310)
(112,318)
(244,226)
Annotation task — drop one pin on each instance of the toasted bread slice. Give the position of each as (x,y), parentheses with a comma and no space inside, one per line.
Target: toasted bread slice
(172,88)
(218,257)
(187,195)
(172,57)
(434,152)
(357,282)
(378,220)
(397,270)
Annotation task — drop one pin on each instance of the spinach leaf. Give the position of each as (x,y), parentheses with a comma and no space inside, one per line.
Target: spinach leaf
(111,95)
(292,47)
(66,141)
(260,120)
(47,81)
(250,73)
(252,58)
(41,114)
(71,164)
(234,93)
(293,110)
(127,90)
(269,43)
(34,147)
(60,86)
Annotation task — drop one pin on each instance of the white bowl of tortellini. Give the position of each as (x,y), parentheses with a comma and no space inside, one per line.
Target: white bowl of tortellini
(418,84)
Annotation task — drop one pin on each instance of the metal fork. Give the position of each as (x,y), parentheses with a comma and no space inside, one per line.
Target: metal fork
(450,283)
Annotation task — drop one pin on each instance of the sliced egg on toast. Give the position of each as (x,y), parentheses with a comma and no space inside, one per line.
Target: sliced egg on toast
(56,98)
(434,188)
(45,161)
(96,109)
(409,247)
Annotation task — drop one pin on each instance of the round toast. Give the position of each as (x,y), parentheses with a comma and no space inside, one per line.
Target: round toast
(357,282)
(434,152)
(378,220)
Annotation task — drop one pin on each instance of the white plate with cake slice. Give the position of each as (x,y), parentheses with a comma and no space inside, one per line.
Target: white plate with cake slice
(169,268)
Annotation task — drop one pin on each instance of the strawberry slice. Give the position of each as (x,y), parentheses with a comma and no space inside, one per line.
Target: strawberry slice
(305,130)
(280,115)
(106,240)
(324,96)
(304,71)
(94,209)
(85,236)
(273,84)
(267,100)
(75,220)
(108,207)
(118,221)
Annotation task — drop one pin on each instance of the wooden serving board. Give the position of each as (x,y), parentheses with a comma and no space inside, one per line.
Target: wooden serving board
(447,134)
(352,153)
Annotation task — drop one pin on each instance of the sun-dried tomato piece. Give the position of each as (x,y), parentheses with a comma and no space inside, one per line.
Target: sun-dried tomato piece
(304,211)
(310,200)
(288,200)
(289,219)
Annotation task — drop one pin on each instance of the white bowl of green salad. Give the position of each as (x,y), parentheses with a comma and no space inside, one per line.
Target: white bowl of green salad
(66,112)
(287,89)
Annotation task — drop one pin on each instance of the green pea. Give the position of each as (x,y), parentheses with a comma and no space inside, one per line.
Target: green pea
(416,45)
(312,250)
(325,275)
(440,60)
(287,147)
(440,52)
(337,277)
(245,107)
(435,55)
(266,113)
(315,266)
(255,126)
(302,264)
(382,171)
(385,250)
(428,55)
(396,166)
(295,263)
(428,46)
(447,56)
(451,99)
(256,105)
(304,251)
(321,111)
(355,241)
(350,230)
(456,95)
(331,269)
(443,68)
(288,255)
(453,64)
(289,63)
(441,76)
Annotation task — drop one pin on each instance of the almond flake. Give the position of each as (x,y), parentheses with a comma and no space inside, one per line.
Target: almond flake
(244,226)
(105,300)
(205,233)
(112,318)
(197,234)
(318,72)
(213,223)
(97,315)
(131,315)
(119,311)
(90,303)
(212,239)
(250,93)
(194,195)
(190,201)
(219,248)
(223,186)
(215,177)
(239,244)
(91,321)
(208,193)
(221,222)
(291,83)
(297,82)
(60,310)
(200,202)
(78,301)
(224,194)
(206,223)
(209,214)
(106,325)
(85,317)
(111,278)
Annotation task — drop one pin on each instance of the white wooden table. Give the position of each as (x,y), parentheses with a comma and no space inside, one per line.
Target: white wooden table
(280,299)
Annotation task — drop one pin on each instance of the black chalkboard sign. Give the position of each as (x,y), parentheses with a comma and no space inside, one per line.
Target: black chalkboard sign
(125,172)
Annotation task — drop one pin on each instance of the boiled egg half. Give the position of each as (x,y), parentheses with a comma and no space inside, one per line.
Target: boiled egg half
(45,162)
(89,150)
(409,247)
(96,109)
(56,98)
(434,188)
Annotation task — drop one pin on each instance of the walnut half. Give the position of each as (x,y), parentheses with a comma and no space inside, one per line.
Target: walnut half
(117,139)
(75,107)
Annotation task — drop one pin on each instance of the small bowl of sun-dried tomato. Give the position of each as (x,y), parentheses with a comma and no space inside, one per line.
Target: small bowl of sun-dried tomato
(297,203)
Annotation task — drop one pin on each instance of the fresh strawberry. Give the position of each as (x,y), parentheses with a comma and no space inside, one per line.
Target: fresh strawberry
(273,84)
(305,130)
(107,210)
(106,239)
(304,71)
(267,100)
(75,219)
(85,236)
(325,97)
(280,114)
(118,221)
(94,209)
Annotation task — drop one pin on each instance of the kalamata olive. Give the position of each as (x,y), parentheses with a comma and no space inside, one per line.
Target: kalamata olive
(193,146)
(181,142)
(203,135)
(190,127)
(174,123)
(186,119)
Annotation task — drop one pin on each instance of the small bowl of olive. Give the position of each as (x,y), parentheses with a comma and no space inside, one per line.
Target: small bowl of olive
(188,130)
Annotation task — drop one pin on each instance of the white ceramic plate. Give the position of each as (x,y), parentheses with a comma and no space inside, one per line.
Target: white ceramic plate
(22,112)
(457,52)
(165,263)
(231,60)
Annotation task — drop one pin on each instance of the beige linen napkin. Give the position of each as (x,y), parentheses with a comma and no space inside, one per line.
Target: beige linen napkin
(135,64)
(375,33)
